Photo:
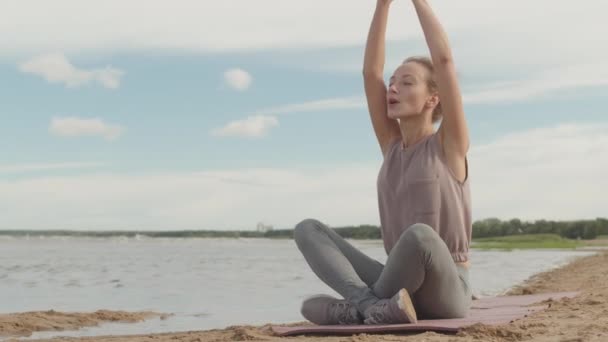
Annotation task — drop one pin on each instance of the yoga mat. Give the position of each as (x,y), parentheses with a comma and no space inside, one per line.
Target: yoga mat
(490,311)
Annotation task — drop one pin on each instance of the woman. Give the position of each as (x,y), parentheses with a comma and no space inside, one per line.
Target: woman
(423,196)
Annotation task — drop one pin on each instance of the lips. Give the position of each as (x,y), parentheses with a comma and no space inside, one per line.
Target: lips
(392,101)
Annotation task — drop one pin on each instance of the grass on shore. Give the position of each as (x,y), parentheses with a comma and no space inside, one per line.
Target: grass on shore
(526,242)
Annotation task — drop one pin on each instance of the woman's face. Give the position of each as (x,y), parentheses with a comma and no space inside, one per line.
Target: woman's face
(408,93)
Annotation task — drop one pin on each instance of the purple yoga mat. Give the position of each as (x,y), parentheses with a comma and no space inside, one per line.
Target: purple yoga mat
(490,311)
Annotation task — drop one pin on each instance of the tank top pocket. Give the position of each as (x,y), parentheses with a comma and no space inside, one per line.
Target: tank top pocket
(424,201)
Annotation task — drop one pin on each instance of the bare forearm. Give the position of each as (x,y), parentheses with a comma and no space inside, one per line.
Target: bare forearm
(373,62)
(435,35)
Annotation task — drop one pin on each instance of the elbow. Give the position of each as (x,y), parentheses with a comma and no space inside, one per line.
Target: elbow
(369,72)
(443,57)
(444,61)
(442,53)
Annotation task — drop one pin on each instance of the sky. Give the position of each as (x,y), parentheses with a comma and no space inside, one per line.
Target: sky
(175,115)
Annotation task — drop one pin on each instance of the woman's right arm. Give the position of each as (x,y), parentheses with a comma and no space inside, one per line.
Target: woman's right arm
(386,129)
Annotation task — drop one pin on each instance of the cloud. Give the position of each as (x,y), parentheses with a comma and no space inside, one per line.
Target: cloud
(316,105)
(262,121)
(252,127)
(542,84)
(200,200)
(21,168)
(545,83)
(555,173)
(551,172)
(243,25)
(56,68)
(200,26)
(77,127)
(238,79)
(488,45)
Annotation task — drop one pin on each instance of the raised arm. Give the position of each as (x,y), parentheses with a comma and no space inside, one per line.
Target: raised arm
(453,128)
(386,129)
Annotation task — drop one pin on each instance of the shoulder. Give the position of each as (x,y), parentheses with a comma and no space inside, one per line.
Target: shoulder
(434,142)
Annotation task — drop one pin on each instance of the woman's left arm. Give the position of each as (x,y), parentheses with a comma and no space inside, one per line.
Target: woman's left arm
(455,133)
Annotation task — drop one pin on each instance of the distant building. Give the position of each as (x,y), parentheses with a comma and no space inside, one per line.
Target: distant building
(262,228)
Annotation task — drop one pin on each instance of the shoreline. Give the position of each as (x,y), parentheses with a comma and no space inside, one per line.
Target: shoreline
(502,243)
(23,324)
(583,318)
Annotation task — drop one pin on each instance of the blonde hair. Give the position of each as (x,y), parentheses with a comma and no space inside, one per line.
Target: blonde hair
(431,83)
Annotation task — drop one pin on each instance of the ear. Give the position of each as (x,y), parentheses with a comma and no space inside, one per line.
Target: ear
(433,100)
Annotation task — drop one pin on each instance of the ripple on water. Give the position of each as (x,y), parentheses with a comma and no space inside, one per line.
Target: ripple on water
(73,283)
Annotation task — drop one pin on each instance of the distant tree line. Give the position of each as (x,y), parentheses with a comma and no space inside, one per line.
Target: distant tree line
(491,227)
(580,229)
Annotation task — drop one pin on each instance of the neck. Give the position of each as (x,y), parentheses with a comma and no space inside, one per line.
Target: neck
(413,130)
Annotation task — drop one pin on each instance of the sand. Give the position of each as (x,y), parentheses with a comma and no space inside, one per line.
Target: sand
(25,323)
(583,318)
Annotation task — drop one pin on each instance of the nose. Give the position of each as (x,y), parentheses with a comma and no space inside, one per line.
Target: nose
(392,88)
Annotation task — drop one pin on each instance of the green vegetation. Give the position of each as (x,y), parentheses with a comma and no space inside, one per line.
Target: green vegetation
(525,242)
(488,233)
(581,229)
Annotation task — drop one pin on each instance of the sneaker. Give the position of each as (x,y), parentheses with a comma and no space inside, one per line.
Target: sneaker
(327,310)
(396,310)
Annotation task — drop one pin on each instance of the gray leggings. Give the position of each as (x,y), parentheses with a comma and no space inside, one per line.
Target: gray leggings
(419,262)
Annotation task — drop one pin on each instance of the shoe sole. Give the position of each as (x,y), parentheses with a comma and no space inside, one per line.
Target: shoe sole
(406,305)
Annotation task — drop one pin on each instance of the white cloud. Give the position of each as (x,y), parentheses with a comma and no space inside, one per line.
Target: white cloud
(76,127)
(56,68)
(252,127)
(489,43)
(206,200)
(262,121)
(241,25)
(316,105)
(249,25)
(193,25)
(21,168)
(541,84)
(238,79)
(553,173)
(544,83)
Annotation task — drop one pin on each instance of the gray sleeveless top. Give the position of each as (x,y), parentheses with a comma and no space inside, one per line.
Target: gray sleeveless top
(415,185)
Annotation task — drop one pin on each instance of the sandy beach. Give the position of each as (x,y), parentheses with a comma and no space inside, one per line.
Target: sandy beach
(24,324)
(584,318)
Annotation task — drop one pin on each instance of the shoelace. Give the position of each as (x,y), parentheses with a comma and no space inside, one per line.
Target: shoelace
(376,313)
(344,313)
(340,305)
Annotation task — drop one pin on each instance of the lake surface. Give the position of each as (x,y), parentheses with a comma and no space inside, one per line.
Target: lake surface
(205,283)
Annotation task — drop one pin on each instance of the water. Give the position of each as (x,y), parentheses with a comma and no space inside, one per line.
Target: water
(205,283)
